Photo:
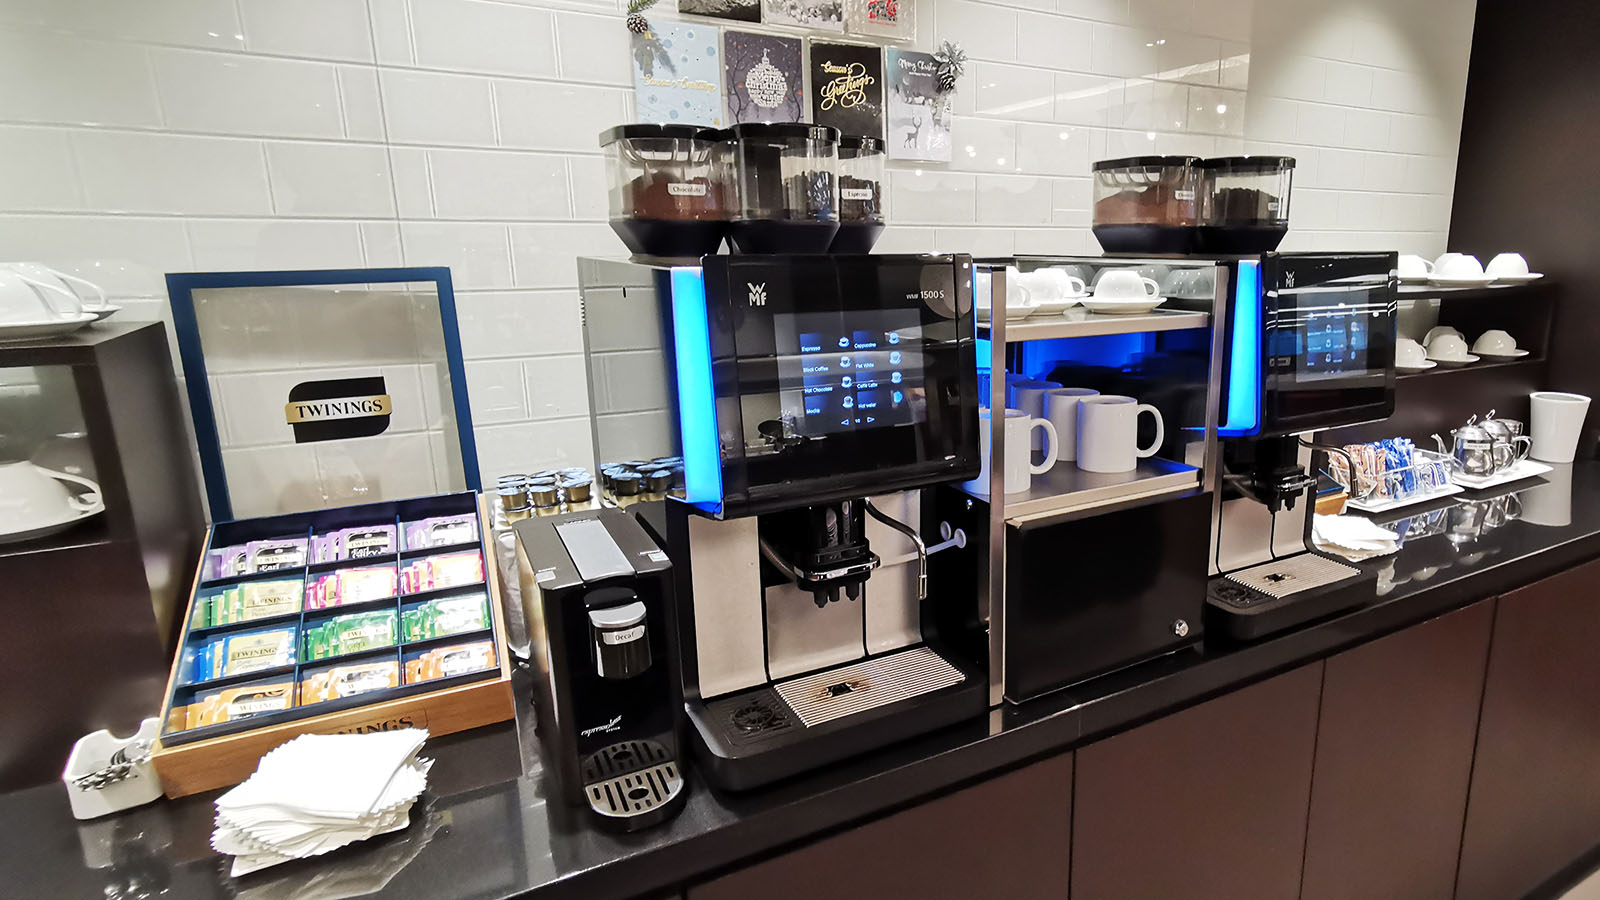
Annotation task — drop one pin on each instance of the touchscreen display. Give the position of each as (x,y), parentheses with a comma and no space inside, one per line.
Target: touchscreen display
(843,371)
(1335,345)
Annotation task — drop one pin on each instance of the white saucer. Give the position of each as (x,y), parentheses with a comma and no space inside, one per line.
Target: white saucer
(1515,354)
(17,331)
(102,313)
(1122,307)
(38,531)
(1467,281)
(1013,313)
(1455,363)
(1426,365)
(1519,279)
(1050,307)
(1413,279)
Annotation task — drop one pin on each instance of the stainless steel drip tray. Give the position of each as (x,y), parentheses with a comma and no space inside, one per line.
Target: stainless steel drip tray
(766,733)
(1287,577)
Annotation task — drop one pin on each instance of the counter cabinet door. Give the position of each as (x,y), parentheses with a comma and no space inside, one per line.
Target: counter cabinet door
(1006,837)
(1534,806)
(1208,803)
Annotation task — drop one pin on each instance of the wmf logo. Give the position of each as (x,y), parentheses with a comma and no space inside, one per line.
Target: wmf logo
(337,409)
(758,293)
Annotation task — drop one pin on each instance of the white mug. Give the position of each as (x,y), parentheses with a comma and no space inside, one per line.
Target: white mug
(1495,342)
(1449,348)
(1028,396)
(1408,354)
(1061,408)
(1126,284)
(1443,259)
(1556,424)
(1437,330)
(1018,469)
(1458,265)
(1507,264)
(33,498)
(58,280)
(25,300)
(1108,433)
(1413,267)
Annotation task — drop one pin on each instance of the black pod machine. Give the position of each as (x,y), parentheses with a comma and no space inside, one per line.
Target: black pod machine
(597,595)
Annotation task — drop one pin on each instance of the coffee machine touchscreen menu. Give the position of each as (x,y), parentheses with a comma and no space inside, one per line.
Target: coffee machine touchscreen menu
(851,370)
(1335,345)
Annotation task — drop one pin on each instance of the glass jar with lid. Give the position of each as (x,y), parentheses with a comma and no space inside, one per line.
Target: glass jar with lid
(1244,203)
(669,191)
(861,194)
(788,186)
(1145,204)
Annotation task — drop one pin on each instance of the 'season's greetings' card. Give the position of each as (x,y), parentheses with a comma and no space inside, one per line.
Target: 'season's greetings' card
(919,115)
(847,88)
(677,74)
(765,81)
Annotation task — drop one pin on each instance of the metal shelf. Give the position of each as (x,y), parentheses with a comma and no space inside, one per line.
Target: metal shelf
(1079,322)
(1066,487)
(1479,366)
(1408,294)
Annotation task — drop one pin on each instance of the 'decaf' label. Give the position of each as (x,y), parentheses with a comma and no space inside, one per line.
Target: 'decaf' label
(337,409)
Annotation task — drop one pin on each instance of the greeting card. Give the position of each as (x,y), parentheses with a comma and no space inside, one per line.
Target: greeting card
(677,77)
(847,88)
(765,81)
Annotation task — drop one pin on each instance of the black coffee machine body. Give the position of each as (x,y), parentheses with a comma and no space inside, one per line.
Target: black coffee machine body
(1309,344)
(598,597)
(808,402)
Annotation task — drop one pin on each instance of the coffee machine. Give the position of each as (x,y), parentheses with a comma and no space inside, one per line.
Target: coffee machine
(798,407)
(1309,343)
(597,596)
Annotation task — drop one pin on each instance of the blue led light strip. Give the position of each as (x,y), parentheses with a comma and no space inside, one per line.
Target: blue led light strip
(1244,362)
(697,400)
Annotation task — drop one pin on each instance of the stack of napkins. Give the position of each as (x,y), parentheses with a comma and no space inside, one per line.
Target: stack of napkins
(1353,537)
(318,793)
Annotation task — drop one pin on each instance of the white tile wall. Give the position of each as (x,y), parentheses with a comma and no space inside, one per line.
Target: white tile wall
(172,135)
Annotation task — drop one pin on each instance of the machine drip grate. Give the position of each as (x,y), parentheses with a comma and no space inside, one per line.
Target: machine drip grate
(869,684)
(1287,577)
(630,777)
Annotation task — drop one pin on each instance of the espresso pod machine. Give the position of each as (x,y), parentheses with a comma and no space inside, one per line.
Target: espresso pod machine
(811,404)
(1309,343)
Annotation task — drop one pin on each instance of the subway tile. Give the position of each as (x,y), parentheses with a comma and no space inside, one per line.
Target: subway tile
(187,23)
(1123,52)
(1217,111)
(1401,92)
(1385,43)
(1361,209)
(1270,119)
(986,31)
(38,173)
(1231,20)
(1085,99)
(1054,42)
(983,145)
(1151,106)
(430,108)
(1189,58)
(1162,17)
(391,32)
(906,239)
(235,94)
(546,255)
(1418,134)
(247,245)
(977,241)
(519,323)
(1293,76)
(1121,143)
(527,446)
(1431,174)
(928,196)
(477,254)
(1013,200)
(1234,66)
(139,172)
(321,29)
(498,184)
(311,179)
(1348,85)
(589,187)
(1367,129)
(1050,241)
(412,190)
(380,245)
(1070,201)
(131,253)
(1053,149)
(558,385)
(58,78)
(477,36)
(1314,208)
(363,110)
(1114,11)
(590,48)
(1342,169)
(1171,143)
(495,390)
(548,116)
(1014,92)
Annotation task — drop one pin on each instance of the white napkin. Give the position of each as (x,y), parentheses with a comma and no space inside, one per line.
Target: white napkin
(1352,537)
(318,793)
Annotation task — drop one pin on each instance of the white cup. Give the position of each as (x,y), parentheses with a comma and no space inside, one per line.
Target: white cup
(1506,264)
(1495,342)
(58,281)
(1108,433)
(1556,424)
(31,498)
(1017,468)
(1061,408)
(1126,284)
(1408,354)
(1045,285)
(1549,504)
(1414,267)
(1449,347)
(1437,330)
(1028,396)
(1458,265)
(28,300)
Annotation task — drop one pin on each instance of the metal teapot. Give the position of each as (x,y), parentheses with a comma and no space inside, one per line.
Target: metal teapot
(1510,445)
(1472,450)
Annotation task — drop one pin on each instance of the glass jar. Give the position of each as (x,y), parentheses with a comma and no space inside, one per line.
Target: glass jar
(669,192)
(861,194)
(787,174)
(1145,204)
(1244,203)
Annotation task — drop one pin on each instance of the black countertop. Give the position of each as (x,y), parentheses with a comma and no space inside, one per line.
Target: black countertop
(485,830)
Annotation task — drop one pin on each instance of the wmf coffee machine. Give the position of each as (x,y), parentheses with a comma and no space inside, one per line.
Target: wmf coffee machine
(807,400)
(1309,345)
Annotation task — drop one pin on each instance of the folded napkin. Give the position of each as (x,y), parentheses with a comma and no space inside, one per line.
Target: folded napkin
(318,793)
(1352,537)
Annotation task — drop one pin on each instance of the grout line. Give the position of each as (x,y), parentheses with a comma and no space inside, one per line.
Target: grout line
(266,168)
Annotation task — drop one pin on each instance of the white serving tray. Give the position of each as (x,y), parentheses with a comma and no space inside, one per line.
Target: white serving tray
(1377,506)
(1525,469)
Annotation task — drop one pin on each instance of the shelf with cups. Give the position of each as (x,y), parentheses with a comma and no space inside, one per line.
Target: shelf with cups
(1482,364)
(1079,322)
(1494,291)
(1065,487)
